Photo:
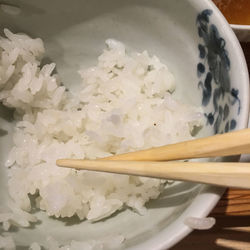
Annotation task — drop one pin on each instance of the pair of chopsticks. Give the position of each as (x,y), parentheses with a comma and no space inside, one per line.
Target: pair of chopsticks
(150,162)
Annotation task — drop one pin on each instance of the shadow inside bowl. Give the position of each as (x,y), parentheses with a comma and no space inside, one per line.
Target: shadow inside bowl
(175,195)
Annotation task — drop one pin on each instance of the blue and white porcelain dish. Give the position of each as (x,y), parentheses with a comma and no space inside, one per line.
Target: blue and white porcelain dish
(201,50)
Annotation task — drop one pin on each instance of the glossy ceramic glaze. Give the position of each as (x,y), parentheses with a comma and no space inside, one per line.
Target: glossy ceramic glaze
(199,47)
(213,71)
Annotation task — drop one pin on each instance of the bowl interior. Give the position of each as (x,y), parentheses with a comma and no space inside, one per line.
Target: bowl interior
(184,36)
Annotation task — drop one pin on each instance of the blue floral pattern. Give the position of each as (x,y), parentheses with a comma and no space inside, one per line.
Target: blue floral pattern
(213,73)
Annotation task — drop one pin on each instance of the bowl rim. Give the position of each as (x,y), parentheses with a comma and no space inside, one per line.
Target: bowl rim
(209,196)
(240,26)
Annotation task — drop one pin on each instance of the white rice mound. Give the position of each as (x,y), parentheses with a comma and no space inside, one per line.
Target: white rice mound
(110,242)
(125,104)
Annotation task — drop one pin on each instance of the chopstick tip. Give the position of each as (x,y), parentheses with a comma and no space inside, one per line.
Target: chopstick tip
(60,162)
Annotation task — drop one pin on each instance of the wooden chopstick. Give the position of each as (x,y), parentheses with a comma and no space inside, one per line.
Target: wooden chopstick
(222,174)
(234,143)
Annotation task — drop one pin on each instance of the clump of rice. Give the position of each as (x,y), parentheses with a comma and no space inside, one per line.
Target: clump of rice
(125,104)
(200,223)
(110,242)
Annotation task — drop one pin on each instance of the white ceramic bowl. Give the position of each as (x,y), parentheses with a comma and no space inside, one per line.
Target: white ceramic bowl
(197,43)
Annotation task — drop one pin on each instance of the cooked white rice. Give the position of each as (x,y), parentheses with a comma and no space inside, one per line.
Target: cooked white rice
(125,104)
(200,223)
(110,242)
